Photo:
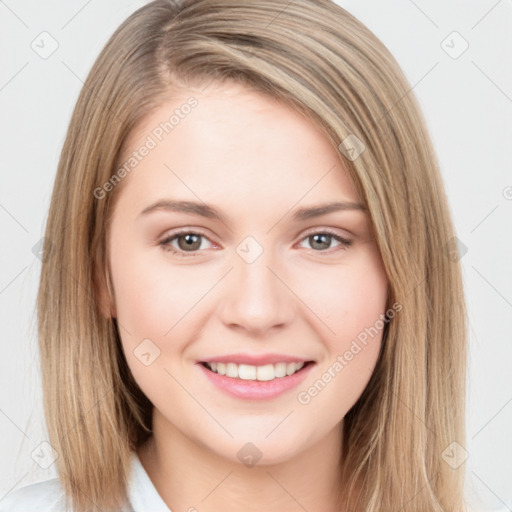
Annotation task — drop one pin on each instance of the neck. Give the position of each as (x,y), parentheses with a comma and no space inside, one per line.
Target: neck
(191,477)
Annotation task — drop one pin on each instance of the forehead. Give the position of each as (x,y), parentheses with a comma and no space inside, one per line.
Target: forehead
(235,144)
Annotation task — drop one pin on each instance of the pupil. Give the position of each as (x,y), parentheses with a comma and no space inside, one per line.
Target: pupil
(190,240)
(325,244)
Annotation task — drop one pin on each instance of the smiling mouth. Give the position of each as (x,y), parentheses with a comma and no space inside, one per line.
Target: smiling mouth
(262,373)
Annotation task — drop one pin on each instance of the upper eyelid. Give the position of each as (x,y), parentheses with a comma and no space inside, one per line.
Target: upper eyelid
(175,234)
(330,231)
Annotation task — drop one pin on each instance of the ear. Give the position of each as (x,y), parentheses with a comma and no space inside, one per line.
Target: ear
(104,290)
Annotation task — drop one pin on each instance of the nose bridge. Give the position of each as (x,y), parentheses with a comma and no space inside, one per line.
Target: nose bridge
(257,299)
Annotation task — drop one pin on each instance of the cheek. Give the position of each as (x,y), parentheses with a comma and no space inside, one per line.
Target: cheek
(154,308)
(349,305)
(150,299)
(141,299)
(347,298)
(160,310)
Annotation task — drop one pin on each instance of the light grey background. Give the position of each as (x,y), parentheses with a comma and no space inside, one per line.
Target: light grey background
(467,101)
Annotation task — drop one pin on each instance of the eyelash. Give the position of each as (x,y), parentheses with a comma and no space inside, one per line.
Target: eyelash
(165,243)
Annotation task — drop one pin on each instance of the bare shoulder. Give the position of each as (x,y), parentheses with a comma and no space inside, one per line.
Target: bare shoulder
(46,496)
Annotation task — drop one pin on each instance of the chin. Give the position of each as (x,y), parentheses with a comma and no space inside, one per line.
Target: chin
(257,449)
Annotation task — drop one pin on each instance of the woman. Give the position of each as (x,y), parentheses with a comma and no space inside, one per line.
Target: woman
(256,370)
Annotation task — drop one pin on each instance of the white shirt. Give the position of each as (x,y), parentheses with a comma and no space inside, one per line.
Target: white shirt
(48,496)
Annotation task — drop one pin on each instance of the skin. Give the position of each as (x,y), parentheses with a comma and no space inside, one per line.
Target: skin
(256,161)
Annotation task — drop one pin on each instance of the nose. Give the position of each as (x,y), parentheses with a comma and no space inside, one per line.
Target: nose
(258,298)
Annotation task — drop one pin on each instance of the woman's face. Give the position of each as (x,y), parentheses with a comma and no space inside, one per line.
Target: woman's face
(244,273)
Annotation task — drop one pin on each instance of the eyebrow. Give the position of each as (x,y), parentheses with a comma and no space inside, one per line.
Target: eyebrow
(205,210)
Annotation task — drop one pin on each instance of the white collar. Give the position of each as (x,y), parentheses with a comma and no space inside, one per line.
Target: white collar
(142,493)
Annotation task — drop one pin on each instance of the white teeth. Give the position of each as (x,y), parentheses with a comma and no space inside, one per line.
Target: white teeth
(246,371)
(250,372)
(231,370)
(290,368)
(280,369)
(266,372)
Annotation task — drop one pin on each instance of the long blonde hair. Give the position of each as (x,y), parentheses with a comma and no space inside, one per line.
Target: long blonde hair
(318,59)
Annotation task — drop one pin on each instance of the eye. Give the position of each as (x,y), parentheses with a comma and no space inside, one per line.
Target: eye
(321,240)
(190,242)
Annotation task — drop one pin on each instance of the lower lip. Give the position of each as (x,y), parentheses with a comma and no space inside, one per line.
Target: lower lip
(255,389)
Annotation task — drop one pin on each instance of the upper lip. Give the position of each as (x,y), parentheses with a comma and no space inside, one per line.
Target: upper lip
(255,360)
